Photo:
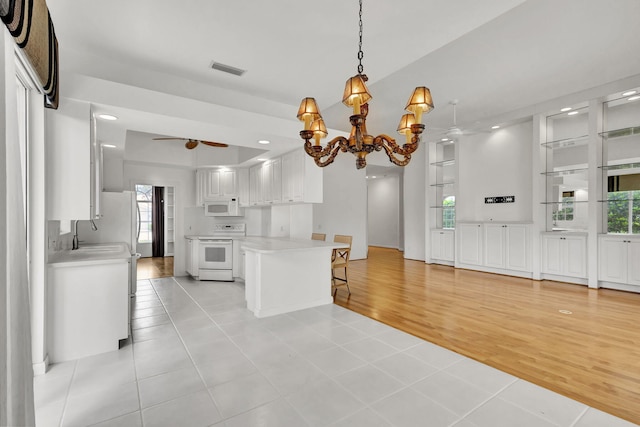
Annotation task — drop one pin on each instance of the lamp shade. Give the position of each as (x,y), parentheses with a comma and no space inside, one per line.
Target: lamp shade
(308,108)
(319,129)
(355,88)
(420,100)
(405,123)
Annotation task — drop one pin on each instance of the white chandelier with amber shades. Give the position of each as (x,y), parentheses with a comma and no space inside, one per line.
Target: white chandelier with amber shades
(360,143)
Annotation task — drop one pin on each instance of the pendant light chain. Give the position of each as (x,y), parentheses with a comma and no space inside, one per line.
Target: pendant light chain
(360,53)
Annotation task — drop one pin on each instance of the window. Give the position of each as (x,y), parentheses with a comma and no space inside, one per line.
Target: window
(449,212)
(623,196)
(565,209)
(144,196)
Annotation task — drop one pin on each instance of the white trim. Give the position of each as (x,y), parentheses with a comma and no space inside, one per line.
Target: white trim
(26,73)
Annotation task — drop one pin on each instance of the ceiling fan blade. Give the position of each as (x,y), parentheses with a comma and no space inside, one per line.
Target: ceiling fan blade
(214,144)
(191,144)
(169,138)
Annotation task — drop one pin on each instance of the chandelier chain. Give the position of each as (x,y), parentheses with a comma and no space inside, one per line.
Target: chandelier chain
(360,53)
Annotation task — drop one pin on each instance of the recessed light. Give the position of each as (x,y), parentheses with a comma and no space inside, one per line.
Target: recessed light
(572,113)
(109,145)
(634,98)
(630,92)
(565,109)
(263,141)
(495,127)
(374,177)
(444,139)
(107,117)
(262,160)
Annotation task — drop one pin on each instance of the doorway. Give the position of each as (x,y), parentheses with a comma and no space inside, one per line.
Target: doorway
(156,230)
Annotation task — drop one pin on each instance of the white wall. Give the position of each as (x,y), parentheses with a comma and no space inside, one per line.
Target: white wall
(383,208)
(495,164)
(344,207)
(414,203)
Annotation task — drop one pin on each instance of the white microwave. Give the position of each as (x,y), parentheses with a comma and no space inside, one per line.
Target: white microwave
(227,207)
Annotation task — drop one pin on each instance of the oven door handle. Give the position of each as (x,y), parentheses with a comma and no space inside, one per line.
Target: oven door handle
(224,241)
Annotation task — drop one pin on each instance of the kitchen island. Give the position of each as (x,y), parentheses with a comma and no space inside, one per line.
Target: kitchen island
(284,275)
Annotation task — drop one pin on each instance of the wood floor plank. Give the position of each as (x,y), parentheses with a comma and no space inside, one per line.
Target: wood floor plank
(155,267)
(513,324)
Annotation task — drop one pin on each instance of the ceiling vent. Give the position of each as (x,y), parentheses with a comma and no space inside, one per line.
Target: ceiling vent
(227,69)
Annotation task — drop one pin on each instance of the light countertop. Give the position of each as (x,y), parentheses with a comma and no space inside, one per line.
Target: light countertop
(284,244)
(95,253)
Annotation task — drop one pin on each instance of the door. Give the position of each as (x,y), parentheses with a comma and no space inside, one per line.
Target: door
(470,244)
(494,245)
(215,254)
(517,247)
(633,270)
(552,255)
(575,256)
(613,260)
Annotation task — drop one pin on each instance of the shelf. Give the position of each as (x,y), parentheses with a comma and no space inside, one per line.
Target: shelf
(621,166)
(619,200)
(620,133)
(444,163)
(442,184)
(443,207)
(566,172)
(569,142)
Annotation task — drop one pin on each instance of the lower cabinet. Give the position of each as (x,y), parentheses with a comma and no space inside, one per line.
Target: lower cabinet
(507,246)
(469,243)
(495,247)
(564,254)
(87,309)
(442,245)
(619,259)
(191,256)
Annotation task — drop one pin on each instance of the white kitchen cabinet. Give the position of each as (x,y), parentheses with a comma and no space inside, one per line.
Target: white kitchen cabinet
(469,243)
(301,178)
(191,256)
(442,245)
(215,184)
(74,162)
(87,310)
(507,246)
(243,187)
(238,259)
(619,259)
(564,254)
(255,186)
(271,180)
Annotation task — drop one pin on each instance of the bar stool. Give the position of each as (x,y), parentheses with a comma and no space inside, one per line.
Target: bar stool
(340,260)
(318,236)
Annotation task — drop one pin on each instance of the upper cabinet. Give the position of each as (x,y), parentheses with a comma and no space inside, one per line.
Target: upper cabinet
(215,184)
(290,178)
(74,166)
(301,178)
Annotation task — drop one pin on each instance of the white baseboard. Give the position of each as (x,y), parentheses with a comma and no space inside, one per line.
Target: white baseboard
(40,368)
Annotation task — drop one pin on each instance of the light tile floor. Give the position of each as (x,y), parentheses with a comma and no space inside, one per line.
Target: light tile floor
(199,358)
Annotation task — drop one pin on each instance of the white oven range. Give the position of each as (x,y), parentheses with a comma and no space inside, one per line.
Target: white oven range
(215,253)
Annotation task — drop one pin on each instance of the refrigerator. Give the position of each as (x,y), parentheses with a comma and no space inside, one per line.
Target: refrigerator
(118,223)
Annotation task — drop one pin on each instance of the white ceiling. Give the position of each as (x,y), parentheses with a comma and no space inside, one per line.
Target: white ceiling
(502,59)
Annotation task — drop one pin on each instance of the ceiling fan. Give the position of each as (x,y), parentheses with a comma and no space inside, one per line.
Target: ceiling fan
(193,143)
(454,132)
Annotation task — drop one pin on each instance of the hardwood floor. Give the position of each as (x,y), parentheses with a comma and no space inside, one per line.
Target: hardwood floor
(155,268)
(516,325)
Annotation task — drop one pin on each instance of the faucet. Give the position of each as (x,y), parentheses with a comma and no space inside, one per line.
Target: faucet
(76,243)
